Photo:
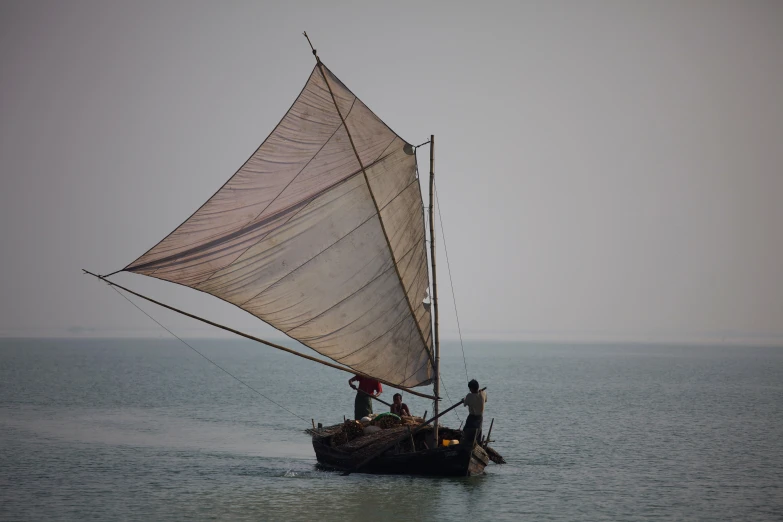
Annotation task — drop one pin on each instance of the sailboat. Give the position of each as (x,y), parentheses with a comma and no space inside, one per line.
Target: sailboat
(321,234)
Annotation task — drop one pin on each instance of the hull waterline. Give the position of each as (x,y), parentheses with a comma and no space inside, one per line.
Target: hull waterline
(453,461)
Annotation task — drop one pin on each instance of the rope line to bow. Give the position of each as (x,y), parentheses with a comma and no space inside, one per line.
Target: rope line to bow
(207,358)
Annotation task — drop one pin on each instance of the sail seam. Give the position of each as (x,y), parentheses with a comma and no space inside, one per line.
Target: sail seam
(395,138)
(350,295)
(352,322)
(324,250)
(360,225)
(276,197)
(398,369)
(407,356)
(395,325)
(248,228)
(375,203)
(301,170)
(417,371)
(305,205)
(408,219)
(416,281)
(357,319)
(339,356)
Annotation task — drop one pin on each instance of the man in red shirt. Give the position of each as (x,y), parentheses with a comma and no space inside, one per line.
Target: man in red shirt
(362,405)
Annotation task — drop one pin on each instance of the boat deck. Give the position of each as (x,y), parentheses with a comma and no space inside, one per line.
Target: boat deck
(372,453)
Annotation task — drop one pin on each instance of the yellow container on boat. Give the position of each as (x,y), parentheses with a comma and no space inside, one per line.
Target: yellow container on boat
(452,442)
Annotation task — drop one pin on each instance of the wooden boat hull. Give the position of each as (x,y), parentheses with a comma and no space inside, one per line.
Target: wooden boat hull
(453,461)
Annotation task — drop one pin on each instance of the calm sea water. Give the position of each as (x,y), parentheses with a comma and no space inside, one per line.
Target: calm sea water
(148,430)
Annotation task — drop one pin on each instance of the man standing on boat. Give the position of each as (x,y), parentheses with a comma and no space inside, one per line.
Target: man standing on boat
(368,388)
(475,402)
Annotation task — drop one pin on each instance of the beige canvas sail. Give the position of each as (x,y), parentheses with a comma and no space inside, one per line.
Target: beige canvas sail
(320,234)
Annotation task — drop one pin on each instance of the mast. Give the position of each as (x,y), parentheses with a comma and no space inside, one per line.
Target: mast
(436,344)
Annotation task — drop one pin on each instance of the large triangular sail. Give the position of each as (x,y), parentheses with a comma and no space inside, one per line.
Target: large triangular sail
(321,235)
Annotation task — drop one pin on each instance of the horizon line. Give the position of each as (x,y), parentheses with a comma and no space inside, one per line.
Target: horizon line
(735,341)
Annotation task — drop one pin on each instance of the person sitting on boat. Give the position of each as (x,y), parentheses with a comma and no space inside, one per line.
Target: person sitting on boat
(398,407)
(475,402)
(368,388)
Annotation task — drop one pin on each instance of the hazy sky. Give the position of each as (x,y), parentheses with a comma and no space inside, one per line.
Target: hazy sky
(605,169)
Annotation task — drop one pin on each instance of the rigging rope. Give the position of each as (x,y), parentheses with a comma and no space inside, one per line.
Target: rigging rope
(205,357)
(427,242)
(451,282)
(450,399)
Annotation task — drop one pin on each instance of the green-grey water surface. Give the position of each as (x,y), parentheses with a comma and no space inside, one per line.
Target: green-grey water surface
(148,430)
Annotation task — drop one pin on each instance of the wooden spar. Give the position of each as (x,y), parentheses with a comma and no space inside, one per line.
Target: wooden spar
(436,338)
(252,338)
(490,429)
(374,397)
(400,439)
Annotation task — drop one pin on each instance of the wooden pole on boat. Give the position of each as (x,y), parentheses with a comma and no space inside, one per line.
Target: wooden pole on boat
(253,338)
(435,337)
(490,429)
(374,397)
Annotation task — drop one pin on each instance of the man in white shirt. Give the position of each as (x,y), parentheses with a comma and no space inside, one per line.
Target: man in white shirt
(475,402)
